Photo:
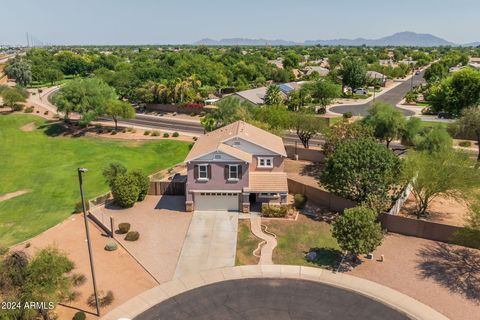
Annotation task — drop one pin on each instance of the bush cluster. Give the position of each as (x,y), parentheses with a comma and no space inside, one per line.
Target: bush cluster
(127,187)
(465,144)
(123,227)
(299,200)
(274,211)
(80,315)
(132,236)
(28,110)
(175,134)
(111,246)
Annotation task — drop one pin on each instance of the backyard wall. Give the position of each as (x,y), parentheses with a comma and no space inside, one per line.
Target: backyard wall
(321,197)
(418,228)
(314,155)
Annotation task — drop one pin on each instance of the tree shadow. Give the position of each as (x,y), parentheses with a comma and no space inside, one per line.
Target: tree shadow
(312,170)
(457,269)
(327,258)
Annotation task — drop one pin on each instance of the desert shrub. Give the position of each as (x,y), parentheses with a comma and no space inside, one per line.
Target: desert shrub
(175,134)
(465,144)
(113,132)
(155,134)
(133,131)
(143,183)
(103,299)
(124,130)
(146,133)
(166,135)
(347,115)
(125,190)
(129,129)
(111,246)
(274,211)
(132,236)
(28,110)
(299,200)
(45,113)
(80,315)
(79,208)
(78,279)
(123,227)
(195,138)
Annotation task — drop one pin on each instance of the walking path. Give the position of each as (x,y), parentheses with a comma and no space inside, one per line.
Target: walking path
(269,240)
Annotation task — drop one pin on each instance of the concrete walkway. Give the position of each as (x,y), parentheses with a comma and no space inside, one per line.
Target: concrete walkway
(211,242)
(269,240)
(392,298)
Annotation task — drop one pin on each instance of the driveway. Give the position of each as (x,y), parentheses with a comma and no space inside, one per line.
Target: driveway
(393,96)
(210,243)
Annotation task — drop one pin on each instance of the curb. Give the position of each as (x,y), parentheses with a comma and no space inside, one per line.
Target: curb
(392,298)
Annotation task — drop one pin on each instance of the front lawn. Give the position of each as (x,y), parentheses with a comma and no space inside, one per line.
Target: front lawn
(246,243)
(47,167)
(297,238)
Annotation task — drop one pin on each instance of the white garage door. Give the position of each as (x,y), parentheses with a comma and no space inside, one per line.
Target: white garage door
(205,201)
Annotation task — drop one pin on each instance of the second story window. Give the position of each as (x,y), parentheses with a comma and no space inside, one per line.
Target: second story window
(203,172)
(265,162)
(233,172)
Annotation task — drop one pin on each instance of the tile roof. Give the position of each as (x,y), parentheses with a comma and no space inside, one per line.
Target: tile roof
(215,141)
(267,182)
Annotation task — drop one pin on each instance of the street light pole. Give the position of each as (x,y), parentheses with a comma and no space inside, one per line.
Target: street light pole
(87,231)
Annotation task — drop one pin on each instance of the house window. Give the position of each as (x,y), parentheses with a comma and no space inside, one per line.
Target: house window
(233,172)
(203,172)
(236,143)
(268,195)
(265,162)
(217,157)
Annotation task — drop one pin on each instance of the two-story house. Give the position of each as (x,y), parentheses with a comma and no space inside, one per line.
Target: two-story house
(235,166)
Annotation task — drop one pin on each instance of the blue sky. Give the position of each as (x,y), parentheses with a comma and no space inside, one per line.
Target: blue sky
(185,21)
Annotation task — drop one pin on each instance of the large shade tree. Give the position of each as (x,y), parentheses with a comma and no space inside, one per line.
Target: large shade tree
(469,124)
(446,173)
(456,92)
(353,73)
(118,109)
(359,168)
(20,70)
(88,97)
(343,131)
(387,122)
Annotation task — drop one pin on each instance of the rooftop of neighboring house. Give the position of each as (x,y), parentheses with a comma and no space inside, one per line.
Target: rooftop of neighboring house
(216,141)
(474,60)
(321,70)
(376,75)
(277,62)
(255,96)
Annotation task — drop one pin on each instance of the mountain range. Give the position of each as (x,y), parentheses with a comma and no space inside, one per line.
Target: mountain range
(406,38)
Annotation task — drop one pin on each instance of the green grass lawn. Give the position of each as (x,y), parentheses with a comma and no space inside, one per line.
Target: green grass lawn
(296,238)
(47,166)
(246,243)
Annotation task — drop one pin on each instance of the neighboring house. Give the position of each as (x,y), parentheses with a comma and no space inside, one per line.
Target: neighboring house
(277,62)
(374,75)
(323,72)
(254,96)
(235,166)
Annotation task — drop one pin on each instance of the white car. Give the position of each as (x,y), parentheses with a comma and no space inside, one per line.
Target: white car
(360,91)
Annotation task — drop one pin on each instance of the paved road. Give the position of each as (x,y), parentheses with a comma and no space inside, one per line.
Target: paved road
(270,299)
(393,96)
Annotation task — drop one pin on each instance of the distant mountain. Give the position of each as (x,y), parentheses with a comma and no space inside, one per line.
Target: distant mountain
(245,42)
(398,39)
(472,44)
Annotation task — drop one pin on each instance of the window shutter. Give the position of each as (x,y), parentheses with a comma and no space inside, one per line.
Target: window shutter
(226,172)
(240,171)
(195,171)
(209,172)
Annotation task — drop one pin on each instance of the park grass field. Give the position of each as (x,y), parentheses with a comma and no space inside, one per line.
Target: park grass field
(46,166)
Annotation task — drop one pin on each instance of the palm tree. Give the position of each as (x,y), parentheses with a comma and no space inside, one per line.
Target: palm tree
(273,96)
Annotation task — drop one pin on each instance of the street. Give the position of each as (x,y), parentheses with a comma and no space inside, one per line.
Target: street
(393,96)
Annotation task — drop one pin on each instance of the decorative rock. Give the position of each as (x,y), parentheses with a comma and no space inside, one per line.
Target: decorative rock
(311,256)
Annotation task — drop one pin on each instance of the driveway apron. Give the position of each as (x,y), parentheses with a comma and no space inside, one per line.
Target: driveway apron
(210,243)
